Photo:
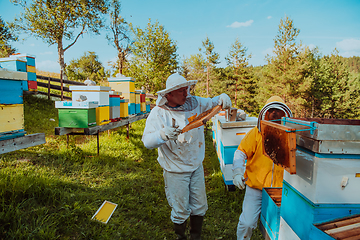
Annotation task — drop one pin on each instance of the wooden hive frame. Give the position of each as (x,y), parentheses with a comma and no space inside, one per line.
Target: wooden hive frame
(279,144)
(345,228)
(201,119)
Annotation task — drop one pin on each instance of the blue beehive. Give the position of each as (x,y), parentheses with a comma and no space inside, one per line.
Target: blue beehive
(12,86)
(270,216)
(13,64)
(300,213)
(131,108)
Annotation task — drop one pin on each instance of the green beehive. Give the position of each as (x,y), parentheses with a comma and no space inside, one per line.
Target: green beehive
(77,118)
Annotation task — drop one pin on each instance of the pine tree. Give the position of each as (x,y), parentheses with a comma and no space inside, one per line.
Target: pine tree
(240,77)
(287,72)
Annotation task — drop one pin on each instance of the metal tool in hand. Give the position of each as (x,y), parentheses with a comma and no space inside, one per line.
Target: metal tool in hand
(174,125)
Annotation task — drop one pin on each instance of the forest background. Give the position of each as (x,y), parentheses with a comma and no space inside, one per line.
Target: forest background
(312,84)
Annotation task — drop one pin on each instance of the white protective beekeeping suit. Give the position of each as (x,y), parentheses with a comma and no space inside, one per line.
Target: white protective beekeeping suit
(182,158)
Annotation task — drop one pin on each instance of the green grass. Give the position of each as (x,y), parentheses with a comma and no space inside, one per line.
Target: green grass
(52,190)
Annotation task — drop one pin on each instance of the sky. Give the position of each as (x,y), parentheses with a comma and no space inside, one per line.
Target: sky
(326,24)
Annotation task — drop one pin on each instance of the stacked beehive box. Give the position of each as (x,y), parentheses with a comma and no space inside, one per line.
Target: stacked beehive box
(227,136)
(11,103)
(99,94)
(142,101)
(74,114)
(30,69)
(125,85)
(137,101)
(326,183)
(114,104)
(124,108)
(148,106)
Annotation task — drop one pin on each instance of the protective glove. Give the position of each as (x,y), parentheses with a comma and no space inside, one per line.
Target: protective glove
(239,181)
(170,133)
(224,101)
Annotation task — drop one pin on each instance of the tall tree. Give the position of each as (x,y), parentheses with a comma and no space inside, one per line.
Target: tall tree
(241,77)
(212,58)
(287,71)
(57,21)
(5,37)
(153,58)
(193,68)
(87,66)
(120,31)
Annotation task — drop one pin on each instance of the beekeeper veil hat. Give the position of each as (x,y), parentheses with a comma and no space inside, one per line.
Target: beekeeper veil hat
(174,81)
(274,102)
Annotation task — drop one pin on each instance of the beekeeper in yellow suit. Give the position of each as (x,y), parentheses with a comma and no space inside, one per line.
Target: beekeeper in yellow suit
(254,171)
(181,155)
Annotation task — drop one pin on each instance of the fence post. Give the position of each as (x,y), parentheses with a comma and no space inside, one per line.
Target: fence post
(48,88)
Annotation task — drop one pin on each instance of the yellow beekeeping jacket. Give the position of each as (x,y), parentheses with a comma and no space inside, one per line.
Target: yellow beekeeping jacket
(259,168)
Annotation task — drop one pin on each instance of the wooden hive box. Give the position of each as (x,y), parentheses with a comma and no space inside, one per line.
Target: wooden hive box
(11,117)
(92,93)
(122,84)
(346,228)
(270,211)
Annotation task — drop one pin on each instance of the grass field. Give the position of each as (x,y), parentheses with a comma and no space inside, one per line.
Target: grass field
(52,190)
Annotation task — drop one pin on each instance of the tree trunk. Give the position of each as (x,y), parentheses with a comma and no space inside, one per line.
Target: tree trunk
(207,81)
(62,66)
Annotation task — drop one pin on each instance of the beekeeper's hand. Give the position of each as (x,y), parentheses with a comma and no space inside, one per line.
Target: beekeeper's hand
(170,133)
(224,101)
(239,181)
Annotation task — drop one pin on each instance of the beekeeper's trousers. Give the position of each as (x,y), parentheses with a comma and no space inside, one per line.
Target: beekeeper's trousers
(250,213)
(185,193)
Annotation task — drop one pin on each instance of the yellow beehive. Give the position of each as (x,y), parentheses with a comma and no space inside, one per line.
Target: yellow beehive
(122,85)
(137,96)
(124,108)
(102,115)
(11,117)
(130,96)
(143,106)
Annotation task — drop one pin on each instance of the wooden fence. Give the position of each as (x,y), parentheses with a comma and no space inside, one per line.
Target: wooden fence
(62,88)
(50,86)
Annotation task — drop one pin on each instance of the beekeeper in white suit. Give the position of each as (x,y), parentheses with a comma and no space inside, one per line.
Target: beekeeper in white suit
(181,155)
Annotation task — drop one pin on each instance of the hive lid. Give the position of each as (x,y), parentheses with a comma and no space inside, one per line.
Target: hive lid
(279,144)
(89,88)
(327,129)
(248,122)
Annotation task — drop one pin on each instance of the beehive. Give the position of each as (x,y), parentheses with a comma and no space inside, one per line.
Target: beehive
(11,117)
(13,64)
(102,115)
(12,86)
(99,94)
(122,84)
(124,108)
(74,114)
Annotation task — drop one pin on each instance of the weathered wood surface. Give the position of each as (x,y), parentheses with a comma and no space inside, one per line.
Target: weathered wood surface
(14,144)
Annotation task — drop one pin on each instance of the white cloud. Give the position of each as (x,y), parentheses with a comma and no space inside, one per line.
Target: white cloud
(240,24)
(269,17)
(311,46)
(349,45)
